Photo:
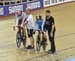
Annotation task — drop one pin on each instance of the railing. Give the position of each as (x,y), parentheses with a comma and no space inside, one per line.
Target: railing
(54,2)
(6,10)
(9,2)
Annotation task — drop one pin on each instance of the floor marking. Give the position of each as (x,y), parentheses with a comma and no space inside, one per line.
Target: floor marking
(65,35)
(57,51)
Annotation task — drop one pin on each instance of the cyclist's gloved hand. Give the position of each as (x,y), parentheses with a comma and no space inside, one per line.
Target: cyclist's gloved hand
(21,25)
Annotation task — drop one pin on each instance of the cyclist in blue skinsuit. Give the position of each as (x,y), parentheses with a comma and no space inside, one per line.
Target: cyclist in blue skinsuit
(40,25)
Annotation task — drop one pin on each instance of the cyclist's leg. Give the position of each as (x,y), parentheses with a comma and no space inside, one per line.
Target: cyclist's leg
(23,31)
(23,36)
(19,29)
(39,31)
(44,35)
(38,36)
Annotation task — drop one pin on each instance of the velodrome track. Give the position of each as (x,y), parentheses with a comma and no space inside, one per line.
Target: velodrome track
(65,37)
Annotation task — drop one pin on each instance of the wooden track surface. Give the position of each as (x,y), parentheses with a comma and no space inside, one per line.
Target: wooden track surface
(65,37)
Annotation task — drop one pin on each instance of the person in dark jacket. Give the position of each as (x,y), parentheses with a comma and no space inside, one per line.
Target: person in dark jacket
(50,27)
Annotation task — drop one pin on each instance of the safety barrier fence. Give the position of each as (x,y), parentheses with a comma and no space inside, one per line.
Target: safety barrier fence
(11,9)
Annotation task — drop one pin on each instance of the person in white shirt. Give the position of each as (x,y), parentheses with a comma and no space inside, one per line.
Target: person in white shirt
(30,27)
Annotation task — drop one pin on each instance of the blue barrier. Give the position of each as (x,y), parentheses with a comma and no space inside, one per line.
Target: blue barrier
(11,9)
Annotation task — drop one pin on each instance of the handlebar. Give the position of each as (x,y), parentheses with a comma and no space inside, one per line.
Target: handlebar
(16,26)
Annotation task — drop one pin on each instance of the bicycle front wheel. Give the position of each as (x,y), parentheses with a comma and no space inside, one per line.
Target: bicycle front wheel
(18,40)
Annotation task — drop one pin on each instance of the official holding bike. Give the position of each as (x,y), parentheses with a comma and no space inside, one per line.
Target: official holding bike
(30,27)
(50,26)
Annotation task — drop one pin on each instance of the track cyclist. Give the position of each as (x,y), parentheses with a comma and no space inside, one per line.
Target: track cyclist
(40,25)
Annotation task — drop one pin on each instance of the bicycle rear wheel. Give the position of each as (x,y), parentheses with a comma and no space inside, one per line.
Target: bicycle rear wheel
(44,44)
(18,40)
(44,47)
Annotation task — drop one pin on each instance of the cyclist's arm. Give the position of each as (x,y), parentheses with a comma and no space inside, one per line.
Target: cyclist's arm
(16,22)
(27,20)
(24,17)
(42,26)
(36,25)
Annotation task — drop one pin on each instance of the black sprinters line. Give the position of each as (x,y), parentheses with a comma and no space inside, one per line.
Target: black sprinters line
(57,51)
(65,35)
